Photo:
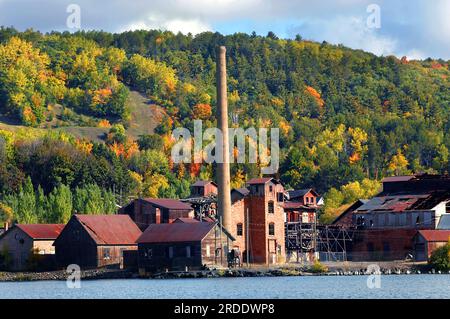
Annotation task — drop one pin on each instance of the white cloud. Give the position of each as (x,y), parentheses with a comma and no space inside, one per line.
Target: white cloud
(415,27)
(160,22)
(350,31)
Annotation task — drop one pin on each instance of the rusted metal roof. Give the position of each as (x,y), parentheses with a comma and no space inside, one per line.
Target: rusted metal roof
(243,191)
(394,179)
(435,235)
(186,220)
(175,232)
(297,205)
(263,180)
(168,203)
(110,229)
(393,203)
(301,192)
(41,231)
(203,183)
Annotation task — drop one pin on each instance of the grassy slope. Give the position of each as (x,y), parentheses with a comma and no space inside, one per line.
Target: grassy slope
(144,118)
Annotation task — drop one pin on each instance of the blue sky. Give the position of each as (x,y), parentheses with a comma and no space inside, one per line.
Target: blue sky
(415,28)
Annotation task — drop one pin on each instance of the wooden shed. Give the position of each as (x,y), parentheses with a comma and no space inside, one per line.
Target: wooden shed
(427,241)
(179,245)
(92,241)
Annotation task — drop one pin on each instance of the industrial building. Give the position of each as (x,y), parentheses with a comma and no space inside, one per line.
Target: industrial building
(183,245)
(147,211)
(93,241)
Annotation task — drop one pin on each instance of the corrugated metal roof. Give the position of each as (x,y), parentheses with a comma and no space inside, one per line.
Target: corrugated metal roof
(168,203)
(243,191)
(110,229)
(175,232)
(203,183)
(260,180)
(444,222)
(394,179)
(392,203)
(435,235)
(41,231)
(186,220)
(297,205)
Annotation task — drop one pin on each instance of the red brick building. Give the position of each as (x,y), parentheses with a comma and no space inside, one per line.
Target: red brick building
(266,221)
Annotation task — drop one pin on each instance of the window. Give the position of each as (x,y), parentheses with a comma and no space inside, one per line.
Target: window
(106,253)
(188,251)
(280,197)
(271,188)
(271,229)
(208,251)
(170,252)
(149,253)
(271,208)
(218,252)
(239,229)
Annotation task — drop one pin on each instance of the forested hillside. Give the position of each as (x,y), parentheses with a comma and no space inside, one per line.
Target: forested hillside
(347,118)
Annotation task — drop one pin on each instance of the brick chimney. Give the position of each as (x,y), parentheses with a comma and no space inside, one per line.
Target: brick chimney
(223,169)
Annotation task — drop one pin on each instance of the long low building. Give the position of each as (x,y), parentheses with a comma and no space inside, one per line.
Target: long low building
(387,224)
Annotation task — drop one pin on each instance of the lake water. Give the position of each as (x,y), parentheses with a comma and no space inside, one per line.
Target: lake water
(394,286)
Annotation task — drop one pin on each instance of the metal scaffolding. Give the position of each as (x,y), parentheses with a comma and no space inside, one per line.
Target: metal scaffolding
(203,206)
(326,242)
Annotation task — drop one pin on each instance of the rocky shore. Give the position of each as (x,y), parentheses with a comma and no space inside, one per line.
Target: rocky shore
(338,269)
(94,274)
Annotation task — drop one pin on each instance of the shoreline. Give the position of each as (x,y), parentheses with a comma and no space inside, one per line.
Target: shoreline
(337,269)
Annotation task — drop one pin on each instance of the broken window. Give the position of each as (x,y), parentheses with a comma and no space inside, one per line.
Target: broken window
(106,253)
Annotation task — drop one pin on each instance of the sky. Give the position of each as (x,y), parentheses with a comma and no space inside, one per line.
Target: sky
(417,29)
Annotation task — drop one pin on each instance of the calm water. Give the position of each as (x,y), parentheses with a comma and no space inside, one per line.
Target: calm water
(407,286)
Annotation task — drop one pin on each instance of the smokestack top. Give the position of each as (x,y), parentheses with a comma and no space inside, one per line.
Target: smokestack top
(222,49)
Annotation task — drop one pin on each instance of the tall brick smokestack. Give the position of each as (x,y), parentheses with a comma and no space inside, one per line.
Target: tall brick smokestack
(223,169)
